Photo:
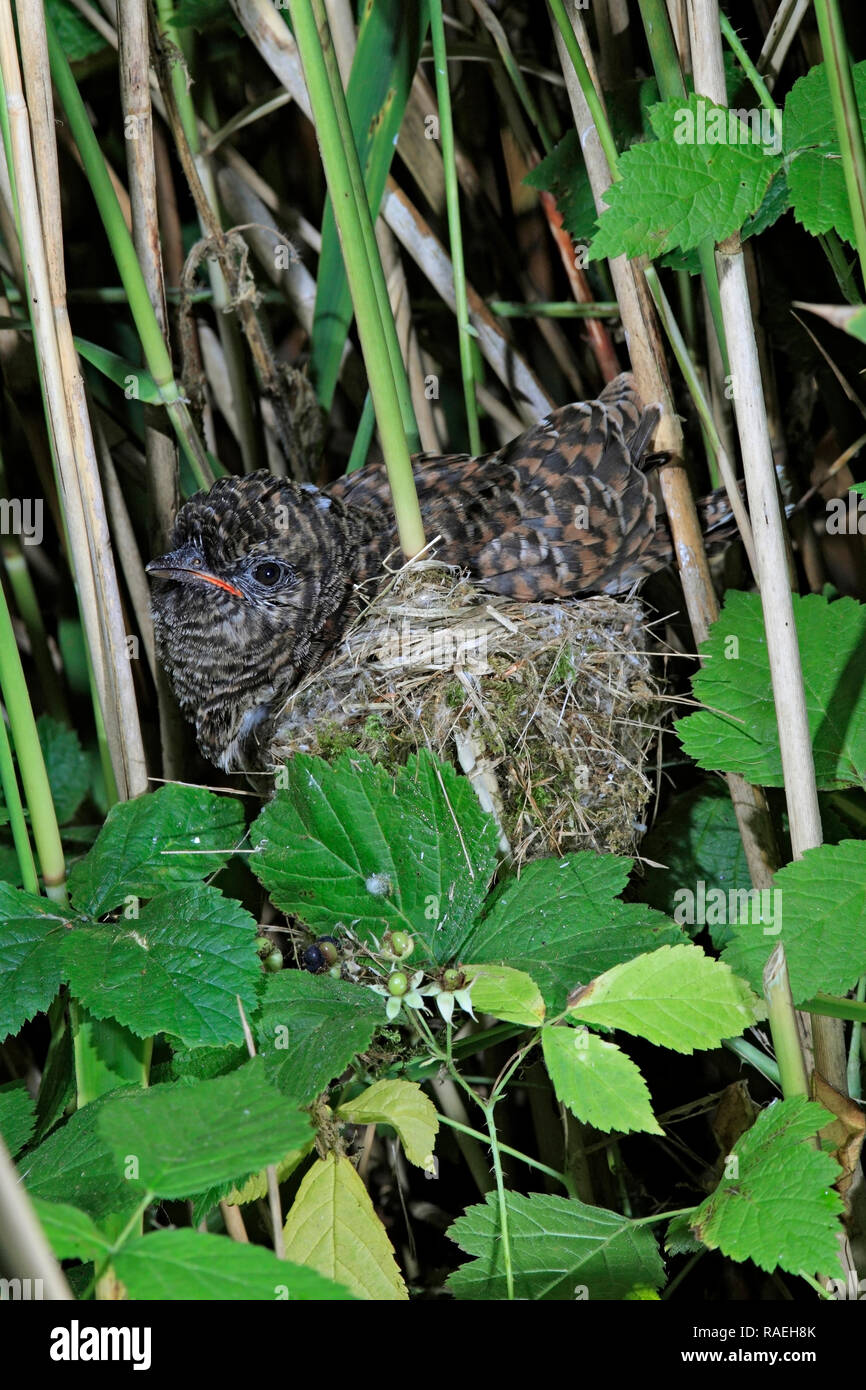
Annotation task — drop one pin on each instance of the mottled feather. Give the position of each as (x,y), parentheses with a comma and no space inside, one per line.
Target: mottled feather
(264,574)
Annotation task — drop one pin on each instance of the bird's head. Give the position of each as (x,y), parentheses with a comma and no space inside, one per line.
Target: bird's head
(251,595)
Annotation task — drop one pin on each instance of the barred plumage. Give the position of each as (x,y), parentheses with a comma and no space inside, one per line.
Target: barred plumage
(263,574)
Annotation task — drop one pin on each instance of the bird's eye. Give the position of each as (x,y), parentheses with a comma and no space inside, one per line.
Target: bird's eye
(268,573)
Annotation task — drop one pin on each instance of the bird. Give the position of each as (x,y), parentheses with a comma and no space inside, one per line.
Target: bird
(264,575)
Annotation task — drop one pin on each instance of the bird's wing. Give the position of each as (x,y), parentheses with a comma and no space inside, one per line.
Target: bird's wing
(625,408)
(560,510)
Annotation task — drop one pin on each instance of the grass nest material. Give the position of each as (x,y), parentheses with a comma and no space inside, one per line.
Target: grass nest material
(550,708)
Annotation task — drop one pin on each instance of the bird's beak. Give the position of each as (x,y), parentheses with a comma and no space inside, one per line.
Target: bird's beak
(184,565)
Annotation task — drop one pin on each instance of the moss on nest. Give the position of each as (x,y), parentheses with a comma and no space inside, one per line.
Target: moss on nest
(551,709)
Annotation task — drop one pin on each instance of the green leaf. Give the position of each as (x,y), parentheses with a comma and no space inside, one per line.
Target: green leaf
(189,1136)
(202,15)
(561,1249)
(196,1267)
(781,1209)
(78,38)
(74,1165)
(72,1234)
(679,1238)
(819,915)
(562,923)
(686,185)
(386,57)
(31,932)
(179,967)
(333,1227)
(204,1063)
(67,765)
(352,842)
(816,176)
(17,1115)
(10,869)
(563,173)
(737,732)
(598,1082)
(505,993)
(311,1027)
(403,1106)
(696,838)
(122,372)
(777,200)
(676,997)
(170,838)
(57,1091)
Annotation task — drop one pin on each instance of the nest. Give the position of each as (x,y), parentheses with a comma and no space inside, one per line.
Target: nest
(550,708)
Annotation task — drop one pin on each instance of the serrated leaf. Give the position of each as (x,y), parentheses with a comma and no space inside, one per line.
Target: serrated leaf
(353,843)
(195,1266)
(697,837)
(816,175)
(67,766)
(676,997)
(188,1136)
(597,1081)
(333,1228)
(167,839)
(204,1063)
(78,38)
(781,1209)
(560,1248)
(311,1027)
(562,923)
(31,932)
(72,1234)
(686,185)
(680,1239)
(74,1165)
(506,993)
(179,967)
(738,731)
(403,1106)
(563,173)
(17,1115)
(819,916)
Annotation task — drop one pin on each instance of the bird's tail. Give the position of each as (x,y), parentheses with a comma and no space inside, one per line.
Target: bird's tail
(717,518)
